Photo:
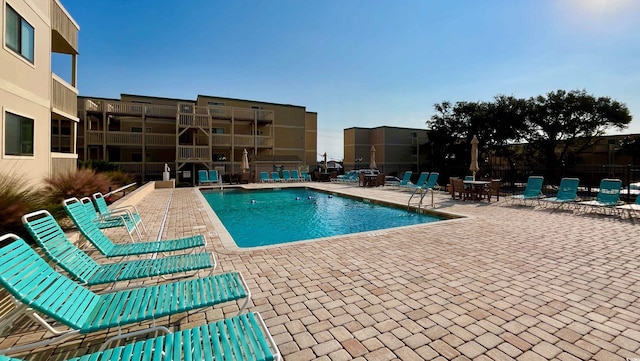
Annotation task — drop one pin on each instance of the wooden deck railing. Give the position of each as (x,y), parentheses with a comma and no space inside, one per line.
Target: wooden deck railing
(64,97)
(64,25)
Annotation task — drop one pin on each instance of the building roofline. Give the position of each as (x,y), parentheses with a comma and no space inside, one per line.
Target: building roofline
(388,127)
(250,100)
(155,97)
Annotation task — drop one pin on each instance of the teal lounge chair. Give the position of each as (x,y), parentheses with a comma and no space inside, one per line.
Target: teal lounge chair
(104,223)
(286,176)
(51,238)
(306,176)
(432,181)
(532,191)
(295,175)
(567,193)
(419,183)
(243,337)
(129,212)
(406,178)
(264,177)
(102,243)
(608,197)
(40,292)
(203,177)
(276,177)
(631,208)
(214,176)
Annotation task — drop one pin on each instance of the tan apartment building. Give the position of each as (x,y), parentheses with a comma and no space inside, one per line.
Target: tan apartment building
(396,149)
(38,108)
(141,134)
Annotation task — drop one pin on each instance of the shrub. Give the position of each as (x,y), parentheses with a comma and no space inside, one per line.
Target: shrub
(119,178)
(97,165)
(17,198)
(79,183)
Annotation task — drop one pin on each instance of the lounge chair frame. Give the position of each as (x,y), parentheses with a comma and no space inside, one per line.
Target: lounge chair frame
(36,289)
(51,238)
(108,248)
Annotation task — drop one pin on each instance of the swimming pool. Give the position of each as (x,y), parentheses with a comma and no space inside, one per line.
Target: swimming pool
(273,216)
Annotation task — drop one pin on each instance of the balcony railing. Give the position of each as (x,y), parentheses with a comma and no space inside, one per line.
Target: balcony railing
(94,137)
(63,163)
(64,98)
(136,109)
(124,138)
(245,141)
(194,153)
(194,120)
(221,140)
(168,140)
(64,29)
(227,113)
(130,138)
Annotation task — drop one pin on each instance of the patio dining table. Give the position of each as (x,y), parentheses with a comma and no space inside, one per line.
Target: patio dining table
(477,188)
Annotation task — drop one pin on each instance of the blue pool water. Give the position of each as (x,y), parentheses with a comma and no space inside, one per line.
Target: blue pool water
(267,217)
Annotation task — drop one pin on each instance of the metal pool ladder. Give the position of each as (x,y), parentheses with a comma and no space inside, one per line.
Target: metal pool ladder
(419,194)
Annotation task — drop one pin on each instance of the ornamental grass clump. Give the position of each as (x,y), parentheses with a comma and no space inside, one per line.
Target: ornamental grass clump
(78,183)
(17,198)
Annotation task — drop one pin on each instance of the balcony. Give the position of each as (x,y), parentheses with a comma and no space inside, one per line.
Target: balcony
(246,114)
(241,141)
(194,153)
(131,138)
(134,109)
(64,98)
(64,30)
(63,163)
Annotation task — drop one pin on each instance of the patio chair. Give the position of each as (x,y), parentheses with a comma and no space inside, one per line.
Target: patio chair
(51,238)
(493,189)
(459,191)
(214,177)
(608,197)
(532,191)
(129,212)
(631,208)
(203,177)
(40,292)
(567,193)
(243,337)
(276,177)
(102,243)
(306,176)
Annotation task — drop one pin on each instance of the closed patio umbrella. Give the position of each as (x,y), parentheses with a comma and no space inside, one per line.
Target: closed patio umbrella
(474,157)
(373,164)
(245,161)
(325,162)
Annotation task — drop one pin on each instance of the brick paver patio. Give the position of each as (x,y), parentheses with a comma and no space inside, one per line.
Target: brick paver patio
(508,282)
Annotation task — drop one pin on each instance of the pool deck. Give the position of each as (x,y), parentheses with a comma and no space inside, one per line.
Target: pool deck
(508,282)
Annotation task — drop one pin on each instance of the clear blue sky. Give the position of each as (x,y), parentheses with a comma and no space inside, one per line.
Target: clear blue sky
(359,63)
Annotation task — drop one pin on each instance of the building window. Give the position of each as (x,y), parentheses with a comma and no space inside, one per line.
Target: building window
(215,103)
(19,34)
(217,130)
(139,130)
(18,139)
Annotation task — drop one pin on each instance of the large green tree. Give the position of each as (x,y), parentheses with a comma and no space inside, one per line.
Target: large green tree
(555,128)
(564,124)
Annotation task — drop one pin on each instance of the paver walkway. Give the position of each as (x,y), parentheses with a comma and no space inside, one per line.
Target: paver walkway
(509,282)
